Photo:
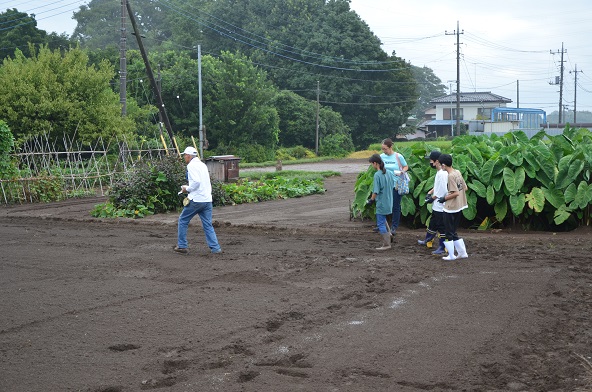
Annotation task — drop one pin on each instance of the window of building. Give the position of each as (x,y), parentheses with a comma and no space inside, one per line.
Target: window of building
(484,113)
(450,114)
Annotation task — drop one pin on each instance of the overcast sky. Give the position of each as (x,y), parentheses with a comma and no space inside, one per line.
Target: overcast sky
(505,47)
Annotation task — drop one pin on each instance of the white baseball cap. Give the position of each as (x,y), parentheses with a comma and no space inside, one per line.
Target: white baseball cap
(190,151)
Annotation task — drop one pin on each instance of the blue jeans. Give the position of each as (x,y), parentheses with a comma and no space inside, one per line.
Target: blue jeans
(204,210)
(396,210)
(381,223)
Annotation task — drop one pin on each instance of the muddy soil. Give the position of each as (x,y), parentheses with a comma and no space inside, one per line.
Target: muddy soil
(298,301)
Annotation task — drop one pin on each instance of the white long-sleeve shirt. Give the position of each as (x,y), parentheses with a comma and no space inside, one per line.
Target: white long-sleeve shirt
(200,187)
(440,189)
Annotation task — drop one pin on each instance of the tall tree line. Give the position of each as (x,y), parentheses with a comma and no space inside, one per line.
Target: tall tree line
(266,63)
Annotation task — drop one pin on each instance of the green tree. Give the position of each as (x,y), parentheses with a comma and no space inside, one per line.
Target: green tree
(238,100)
(99,23)
(7,169)
(55,94)
(299,42)
(429,86)
(305,41)
(20,29)
(298,120)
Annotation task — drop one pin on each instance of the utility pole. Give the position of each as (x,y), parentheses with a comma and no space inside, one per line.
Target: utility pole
(517,93)
(318,108)
(201,132)
(575,91)
(150,74)
(123,61)
(560,81)
(457,33)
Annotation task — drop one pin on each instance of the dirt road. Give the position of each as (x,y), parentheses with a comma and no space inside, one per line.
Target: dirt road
(298,301)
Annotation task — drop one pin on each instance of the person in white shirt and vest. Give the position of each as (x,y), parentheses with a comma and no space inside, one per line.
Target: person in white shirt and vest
(454,202)
(199,190)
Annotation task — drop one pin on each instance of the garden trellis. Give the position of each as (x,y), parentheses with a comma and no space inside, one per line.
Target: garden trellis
(47,172)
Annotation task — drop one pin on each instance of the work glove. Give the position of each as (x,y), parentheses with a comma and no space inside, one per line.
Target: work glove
(369,202)
(429,198)
(442,200)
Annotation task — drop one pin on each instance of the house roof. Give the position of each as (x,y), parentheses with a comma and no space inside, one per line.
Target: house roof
(476,97)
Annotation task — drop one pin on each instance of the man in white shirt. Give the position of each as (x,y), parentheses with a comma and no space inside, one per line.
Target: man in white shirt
(199,190)
(440,189)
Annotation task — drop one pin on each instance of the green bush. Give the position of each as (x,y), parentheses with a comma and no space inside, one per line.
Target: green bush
(7,167)
(47,188)
(336,145)
(219,195)
(293,153)
(247,152)
(151,187)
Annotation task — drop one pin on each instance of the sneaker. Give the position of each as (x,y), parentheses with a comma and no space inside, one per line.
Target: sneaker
(421,242)
(180,250)
(217,251)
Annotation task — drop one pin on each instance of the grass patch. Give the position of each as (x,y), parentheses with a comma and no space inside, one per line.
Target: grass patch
(285,163)
(443,145)
(308,175)
(364,154)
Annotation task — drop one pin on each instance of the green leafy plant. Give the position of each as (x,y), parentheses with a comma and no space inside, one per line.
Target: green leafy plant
(7,168)
(151,187)
(253,191)
(337,145)
(540,183)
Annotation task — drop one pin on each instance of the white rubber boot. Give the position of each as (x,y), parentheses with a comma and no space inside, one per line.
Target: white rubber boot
(449,245)
(386,241)
(459,245)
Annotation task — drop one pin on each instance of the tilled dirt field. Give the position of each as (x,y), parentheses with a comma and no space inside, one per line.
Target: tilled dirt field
(298,301)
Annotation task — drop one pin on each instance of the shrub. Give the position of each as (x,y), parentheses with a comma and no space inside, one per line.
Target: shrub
(247,152)
(337,145)
(151,187)
(7,168)
(293,153)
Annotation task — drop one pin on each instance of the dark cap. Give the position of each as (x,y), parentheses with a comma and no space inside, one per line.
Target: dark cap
(445,159)
(434,155)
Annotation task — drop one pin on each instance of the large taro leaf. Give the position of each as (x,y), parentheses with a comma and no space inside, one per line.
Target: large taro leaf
(570,193)
(529,170)
(575,168)
(561,214)
(460,163)
(536,199)
(531,159)
(499,166)
(546,160)
(517,203)
(407,206)
(423,187)
(424,213)
(478,187)
(490,195)
(554,196)
(487,170)
(475,154)
(473,169)
(471,212)
(514,180)
(497,183)
(583,195)
(501,210)
(562,179)
(516,158)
